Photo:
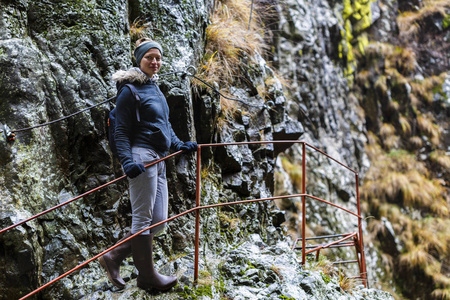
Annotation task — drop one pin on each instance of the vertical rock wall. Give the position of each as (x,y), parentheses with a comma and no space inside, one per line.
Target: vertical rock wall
(319,97)
(57,58)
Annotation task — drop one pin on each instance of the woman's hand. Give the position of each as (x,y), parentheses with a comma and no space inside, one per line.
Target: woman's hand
(189,147)
(133,170)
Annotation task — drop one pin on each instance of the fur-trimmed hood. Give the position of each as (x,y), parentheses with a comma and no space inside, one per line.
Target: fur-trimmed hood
(133,75)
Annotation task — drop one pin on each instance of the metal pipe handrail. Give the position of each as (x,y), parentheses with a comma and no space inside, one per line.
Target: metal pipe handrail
(198,207)
(326,236)
(317,238)
(346,262)
(82,195)
(304,204)
(304,144)
(335,205)
(281,142)
(169,156)
(330,157)
(347,244)
(332,243)
(195,209)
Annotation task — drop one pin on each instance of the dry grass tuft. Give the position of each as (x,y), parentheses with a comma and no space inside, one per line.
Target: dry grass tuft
(404,161)
(405,125)
(423,90)
(387,261)
(426,245)
(396,59)
(381,85)
(441,294)
(277,271)
(398,177)
(387,133)
(228,107)
(138,29)
(406,24)
(417,257)
(441,158)
(376,227)
(363,78)
(409,22)
(415,101)
(440,208)
(324,265)
(395,77)
(373,141)
(427,126)
(412,189)
(228,39)
(294,171)
(415,142)
(433,235)
(378,50)
(393,106)
(346,284)
(387,130)
(441,279)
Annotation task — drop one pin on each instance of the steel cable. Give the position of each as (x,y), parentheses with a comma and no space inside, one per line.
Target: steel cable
(269,104)
(65,117)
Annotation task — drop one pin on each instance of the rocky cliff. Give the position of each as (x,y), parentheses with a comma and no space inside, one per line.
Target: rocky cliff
(57,58)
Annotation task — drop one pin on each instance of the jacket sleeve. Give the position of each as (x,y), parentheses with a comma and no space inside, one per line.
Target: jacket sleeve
(125,119)
(175,142)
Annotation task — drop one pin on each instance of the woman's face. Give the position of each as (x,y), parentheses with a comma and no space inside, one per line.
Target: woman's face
(151,62)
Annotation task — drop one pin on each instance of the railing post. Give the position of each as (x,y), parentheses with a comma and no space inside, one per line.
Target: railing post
(360,232)
(197,212)
(303,203)
(198,207)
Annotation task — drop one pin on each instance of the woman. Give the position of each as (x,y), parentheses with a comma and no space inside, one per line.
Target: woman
(140,142)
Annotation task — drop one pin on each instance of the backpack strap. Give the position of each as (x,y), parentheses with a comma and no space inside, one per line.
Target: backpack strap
(137,98)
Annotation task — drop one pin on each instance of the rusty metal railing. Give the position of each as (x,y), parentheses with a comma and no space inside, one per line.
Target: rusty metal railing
(337,244)
(358,238)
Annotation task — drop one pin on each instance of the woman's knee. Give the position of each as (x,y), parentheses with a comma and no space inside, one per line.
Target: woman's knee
(158,229)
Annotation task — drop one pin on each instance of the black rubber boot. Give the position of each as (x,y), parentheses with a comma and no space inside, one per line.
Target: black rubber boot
(149,278)
(111,262)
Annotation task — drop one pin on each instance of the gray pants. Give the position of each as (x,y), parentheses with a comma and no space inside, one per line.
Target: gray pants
(148,192)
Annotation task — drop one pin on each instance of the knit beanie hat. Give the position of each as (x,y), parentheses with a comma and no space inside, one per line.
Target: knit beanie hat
(143,48)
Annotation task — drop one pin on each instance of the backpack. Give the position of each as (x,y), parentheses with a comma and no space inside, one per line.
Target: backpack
(111,122)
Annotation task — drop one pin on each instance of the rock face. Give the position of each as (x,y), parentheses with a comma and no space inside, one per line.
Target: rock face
(57,58)
(319,99)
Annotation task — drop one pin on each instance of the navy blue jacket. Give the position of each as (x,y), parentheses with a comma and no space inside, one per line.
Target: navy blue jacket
(154,130)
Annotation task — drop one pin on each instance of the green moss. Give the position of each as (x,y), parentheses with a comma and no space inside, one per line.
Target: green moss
(348,9)
(224,220)
(356,17)
(204,273)
(186,293)
(446,22)
(363,42)
(363,23)
(204,290)
(197,292)
(174,257)
(325,277)
(249,266)
(284,297)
